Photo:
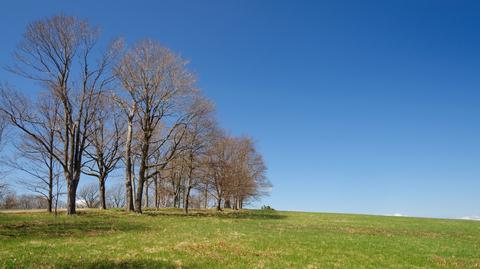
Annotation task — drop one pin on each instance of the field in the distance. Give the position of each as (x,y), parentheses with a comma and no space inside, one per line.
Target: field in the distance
(251,239)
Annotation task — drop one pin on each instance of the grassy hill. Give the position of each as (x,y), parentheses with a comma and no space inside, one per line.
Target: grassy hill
(250,239)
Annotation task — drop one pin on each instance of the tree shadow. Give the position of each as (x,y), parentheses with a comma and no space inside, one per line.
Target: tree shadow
(263,215)
(62,228)
(250,214)
(139,263)
(92,223)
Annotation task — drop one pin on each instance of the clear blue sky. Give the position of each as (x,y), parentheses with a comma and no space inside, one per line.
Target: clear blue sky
(357,106)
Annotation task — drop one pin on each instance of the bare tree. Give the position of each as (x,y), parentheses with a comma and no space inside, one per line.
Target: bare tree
(59,187)
(3,190)
(165,133)
(248,180)
(235,171)
(88,195)
(195,146)
(3,127)
(159,85)
(129,110)
(116,196)
(52,50)
(36,160)
(105,142)
(217,161)
(162,190)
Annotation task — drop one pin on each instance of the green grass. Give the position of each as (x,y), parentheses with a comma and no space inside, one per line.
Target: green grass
(251,239)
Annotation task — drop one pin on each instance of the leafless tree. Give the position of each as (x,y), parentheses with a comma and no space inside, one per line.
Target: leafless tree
(159,85)
(162,190)
(116,196)
(9,201)
(24,201)
(235,171)
(129,110)
(29,201)
(3,126)
(217,161)
(3,190)
(88,195)
(248,180)
(105,142)
(195,146)
(158,125)
(52,51)
(34,159)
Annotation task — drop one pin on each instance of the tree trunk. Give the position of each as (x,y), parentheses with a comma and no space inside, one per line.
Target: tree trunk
(141,176)
(186,199)
(146,194)
(50,170)
(57,194)
(128,166)
(227,203)
(56,205)
(50,186)
(235,203)
(139,196)
(219,204)
(71,197)
(180,200)
(103,202)
(155,182)
(205,205)
(49,205)
(176,202)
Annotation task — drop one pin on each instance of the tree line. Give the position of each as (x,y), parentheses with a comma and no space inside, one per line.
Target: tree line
(120,109)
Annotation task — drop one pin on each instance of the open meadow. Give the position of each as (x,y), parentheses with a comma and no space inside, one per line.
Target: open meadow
(249,239)
(154,124)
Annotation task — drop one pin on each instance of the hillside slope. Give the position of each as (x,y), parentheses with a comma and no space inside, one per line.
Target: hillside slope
(250,239)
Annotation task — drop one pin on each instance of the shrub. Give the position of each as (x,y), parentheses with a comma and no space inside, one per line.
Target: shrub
(267,208)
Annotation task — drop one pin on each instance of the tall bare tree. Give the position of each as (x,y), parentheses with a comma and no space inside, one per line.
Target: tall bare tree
(248,179)
(159,85)
(37,161)
(89,195)
(217,161)
(3,127)
(169,141)
(59,52)
(116,196)
(129,110)
(236,171)
(105,144)
(36,151)
(195,146)
(3,191)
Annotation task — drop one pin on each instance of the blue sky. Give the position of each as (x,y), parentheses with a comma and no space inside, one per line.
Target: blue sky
(357,106)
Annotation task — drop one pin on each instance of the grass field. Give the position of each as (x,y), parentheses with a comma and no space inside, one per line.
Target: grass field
(251,239)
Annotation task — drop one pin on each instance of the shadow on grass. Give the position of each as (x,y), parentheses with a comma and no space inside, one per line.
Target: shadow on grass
(78,227)
(124,264)
(98,223)
(250,214)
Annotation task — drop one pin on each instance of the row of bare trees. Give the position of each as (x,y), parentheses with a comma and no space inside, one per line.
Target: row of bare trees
(134,109)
